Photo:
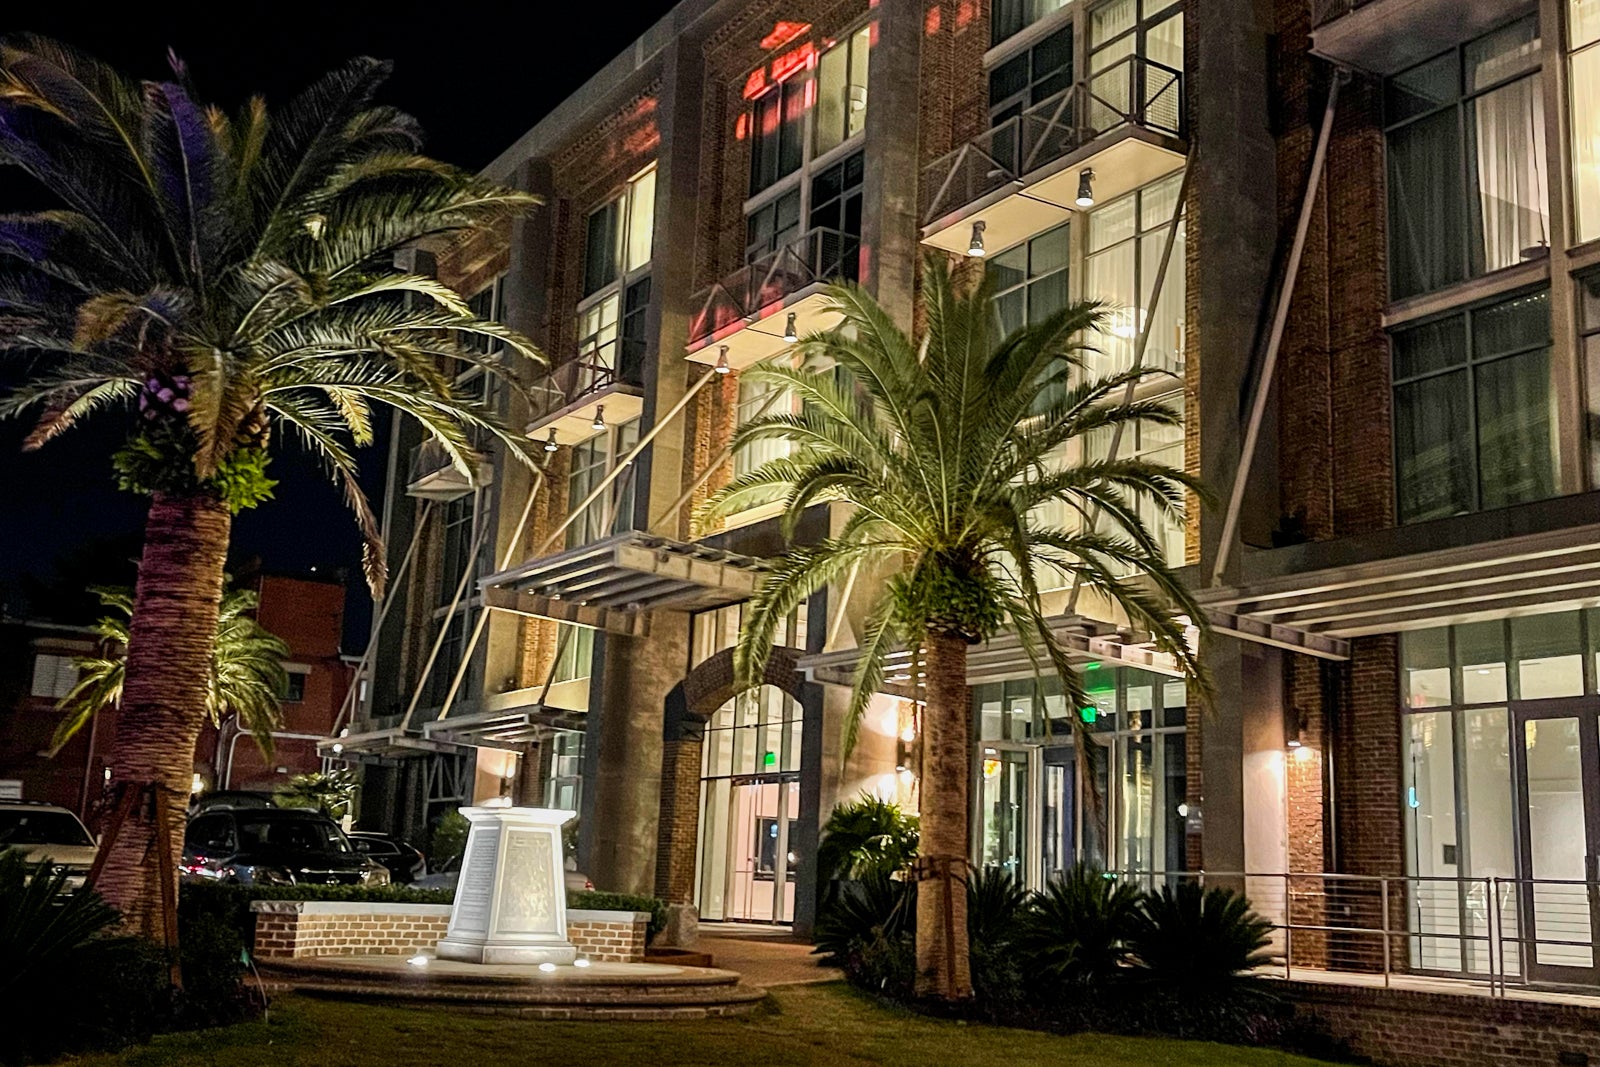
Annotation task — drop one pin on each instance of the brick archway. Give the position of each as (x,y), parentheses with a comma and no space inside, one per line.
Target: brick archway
(689,706)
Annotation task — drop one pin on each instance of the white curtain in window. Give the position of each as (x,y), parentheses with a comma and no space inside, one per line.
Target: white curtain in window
(1507,128)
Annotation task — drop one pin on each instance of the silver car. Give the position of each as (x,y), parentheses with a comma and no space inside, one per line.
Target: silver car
(46,831)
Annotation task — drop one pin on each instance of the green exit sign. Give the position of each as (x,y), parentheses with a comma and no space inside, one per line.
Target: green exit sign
(770,759)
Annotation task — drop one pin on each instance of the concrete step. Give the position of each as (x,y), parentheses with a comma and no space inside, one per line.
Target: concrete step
(603,991)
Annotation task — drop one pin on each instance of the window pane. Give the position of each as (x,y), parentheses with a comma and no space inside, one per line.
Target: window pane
(1109,20)
(1513,326)
(1481,650)
(1503,54)
(1549,654)
(1422,88)
(1425,668)
(1516,453)
(1433,452)
(641,218)
(1048,252)
(1583,22)
(1009,268)
(1583,87)
(1507,172)
(856,97)
(833,75)
(1111,279)
(1430,347)
(1427,224)
(1431,846)
(600,265)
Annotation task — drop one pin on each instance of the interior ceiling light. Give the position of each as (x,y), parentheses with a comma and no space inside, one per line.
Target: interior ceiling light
(975,246)
(1086,188)
(722,360)
(599,422)
(550,442)
(790,334)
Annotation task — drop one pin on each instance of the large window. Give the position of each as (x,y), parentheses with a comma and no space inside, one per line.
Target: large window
(1131,818)
(1583,87)
(1154,444)
(1467,162)
(53,676)
(619,234)
(1474,421)
(842,91)
(1030,76)
(1136,64)
(1126,238)
(758,400)
(591,461)
(1589,328)
(564,787)
(574,653)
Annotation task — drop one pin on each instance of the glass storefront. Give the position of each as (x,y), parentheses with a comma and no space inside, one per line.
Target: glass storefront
(1502,794)
(1035,814)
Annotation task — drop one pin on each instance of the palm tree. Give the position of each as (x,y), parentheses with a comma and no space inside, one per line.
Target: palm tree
(948,452)
(206,276)
(331,792)
(246,676)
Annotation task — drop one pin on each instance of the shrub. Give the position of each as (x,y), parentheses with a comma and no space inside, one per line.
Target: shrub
(595,900)
(211,954)
(997,908)
(861,913)
(1077,932)
(449,839)
(1197,938)
(866,835)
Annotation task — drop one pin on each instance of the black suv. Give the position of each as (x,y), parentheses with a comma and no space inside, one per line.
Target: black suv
(274,846)
(404,860)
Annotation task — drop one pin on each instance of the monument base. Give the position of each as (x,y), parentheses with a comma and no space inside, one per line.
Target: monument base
(559,953)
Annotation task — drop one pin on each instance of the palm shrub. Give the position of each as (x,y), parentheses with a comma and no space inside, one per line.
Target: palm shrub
(246,678)
(1077,933)
(206,278)
(449,839)
(331,792)
(947,449)
(871,909)
(1195,938)
(997,910)
(865,835)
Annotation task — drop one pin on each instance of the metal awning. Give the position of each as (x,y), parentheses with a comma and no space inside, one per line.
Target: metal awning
(635,572)
(1530,574)
(508,728)
(1003,658)
(384,747)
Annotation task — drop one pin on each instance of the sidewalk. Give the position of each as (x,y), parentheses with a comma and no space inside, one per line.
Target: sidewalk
(766,956)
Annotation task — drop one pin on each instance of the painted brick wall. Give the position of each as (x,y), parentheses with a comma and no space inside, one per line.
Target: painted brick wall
(1402,1028)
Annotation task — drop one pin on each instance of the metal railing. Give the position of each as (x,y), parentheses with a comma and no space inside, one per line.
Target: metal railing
(1134,91)
(616,363)
(1494,932)
(1325,11)
(430,462)
(761,286)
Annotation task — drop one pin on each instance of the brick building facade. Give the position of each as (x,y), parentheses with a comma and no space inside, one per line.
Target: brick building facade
(1401,340)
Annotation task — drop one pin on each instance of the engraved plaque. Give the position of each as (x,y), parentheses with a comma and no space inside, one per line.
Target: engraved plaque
(528,906)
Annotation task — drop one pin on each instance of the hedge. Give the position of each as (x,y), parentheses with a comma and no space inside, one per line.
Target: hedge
(231,903)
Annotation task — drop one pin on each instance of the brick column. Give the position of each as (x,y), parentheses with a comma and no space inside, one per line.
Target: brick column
(679,827)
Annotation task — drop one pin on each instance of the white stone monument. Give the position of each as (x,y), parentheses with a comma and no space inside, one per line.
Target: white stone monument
(511,901)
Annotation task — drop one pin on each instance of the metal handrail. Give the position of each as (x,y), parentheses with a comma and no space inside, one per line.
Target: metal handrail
(760,287)
(571,381)
(1325,11)
(1481,923)
(1134,91)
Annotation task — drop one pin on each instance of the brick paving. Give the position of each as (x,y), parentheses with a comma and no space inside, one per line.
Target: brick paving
(766,956)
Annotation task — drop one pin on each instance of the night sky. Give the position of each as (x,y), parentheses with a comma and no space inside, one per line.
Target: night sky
(477,75)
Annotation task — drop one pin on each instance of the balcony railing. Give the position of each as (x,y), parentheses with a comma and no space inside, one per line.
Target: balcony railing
(617,364)
(1132,93)
(761,287)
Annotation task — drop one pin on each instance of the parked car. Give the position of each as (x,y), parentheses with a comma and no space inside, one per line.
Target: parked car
(230,798)
(45,831)
(405,862)
(274,846)
(449,873)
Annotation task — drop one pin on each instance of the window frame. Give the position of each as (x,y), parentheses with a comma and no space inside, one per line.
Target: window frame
(1461,103)
(811,163)
(1468,366)
(617,439)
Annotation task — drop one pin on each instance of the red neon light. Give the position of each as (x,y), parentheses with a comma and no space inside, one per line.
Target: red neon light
(930,25)
(966,13)
(755,85)
(790,62)
(741,129)
(782,33)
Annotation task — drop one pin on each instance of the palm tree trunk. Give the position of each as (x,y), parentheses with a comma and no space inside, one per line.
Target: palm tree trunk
(170,645)
(942,965)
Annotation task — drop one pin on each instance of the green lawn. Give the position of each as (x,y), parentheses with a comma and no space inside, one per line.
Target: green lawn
(822,1024)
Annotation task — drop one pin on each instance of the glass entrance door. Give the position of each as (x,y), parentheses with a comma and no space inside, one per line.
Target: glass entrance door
(760,871)
(1558,764)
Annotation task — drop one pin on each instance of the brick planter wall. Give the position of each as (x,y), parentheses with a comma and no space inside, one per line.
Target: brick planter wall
(1409,1028)
(289,929)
